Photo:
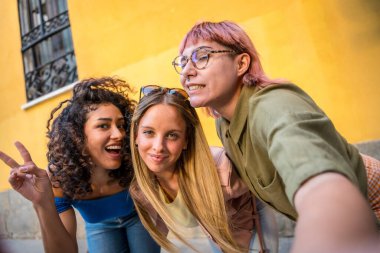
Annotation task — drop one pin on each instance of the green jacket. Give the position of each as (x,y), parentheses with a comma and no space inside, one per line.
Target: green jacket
(278,138)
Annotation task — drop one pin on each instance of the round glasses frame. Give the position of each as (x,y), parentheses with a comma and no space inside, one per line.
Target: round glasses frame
(178,66)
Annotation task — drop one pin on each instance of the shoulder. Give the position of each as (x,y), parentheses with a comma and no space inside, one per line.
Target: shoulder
(138,195)
(58,192)
(281,105)
(218,154)
(141,201)
(280,99)
(232,185)
(62,203)
(135,192)
(222,163)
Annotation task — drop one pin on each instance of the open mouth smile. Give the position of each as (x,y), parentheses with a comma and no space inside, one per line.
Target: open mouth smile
(195,87)
(113,149)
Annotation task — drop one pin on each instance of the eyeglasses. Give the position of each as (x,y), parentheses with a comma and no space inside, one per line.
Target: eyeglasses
(150,89)
(199,58)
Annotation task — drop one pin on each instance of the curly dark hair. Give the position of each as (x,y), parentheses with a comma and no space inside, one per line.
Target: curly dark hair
(69,165)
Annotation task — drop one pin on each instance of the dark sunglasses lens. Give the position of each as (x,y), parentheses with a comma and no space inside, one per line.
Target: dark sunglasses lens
(149,89)
(178,93)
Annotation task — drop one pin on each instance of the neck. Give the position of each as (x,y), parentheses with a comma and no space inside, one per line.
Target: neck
(226,110)
(169,183)
(100,177)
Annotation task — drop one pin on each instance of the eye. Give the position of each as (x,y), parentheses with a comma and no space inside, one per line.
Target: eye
(121,126)
(172,136)
(103,126)
(148,132)
(182,61)
(200,55)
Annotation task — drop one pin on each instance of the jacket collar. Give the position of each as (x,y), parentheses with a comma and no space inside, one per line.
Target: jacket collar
(238,122)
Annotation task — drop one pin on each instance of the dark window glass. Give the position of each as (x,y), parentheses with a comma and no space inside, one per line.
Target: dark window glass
(47,48)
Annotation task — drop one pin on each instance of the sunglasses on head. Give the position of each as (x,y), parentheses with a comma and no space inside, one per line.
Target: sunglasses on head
(151,89)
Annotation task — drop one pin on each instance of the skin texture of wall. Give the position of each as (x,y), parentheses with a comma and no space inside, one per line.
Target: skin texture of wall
(329,48)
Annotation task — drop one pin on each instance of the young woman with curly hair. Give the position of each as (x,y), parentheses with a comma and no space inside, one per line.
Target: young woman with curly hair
(90,168)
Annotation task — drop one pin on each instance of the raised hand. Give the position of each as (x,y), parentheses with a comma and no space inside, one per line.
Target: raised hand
(30,181)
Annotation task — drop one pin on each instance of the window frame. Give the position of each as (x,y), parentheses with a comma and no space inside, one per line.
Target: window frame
(49,71)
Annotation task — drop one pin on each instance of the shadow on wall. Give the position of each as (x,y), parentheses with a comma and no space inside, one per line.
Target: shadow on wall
(18,219)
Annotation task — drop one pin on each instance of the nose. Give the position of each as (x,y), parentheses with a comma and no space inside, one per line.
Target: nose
(117,133)
(158,144)
(187,72)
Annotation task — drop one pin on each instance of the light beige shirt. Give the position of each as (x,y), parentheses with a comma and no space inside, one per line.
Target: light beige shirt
(187,226)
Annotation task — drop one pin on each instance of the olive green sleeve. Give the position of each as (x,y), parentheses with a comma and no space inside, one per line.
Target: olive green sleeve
(300,139)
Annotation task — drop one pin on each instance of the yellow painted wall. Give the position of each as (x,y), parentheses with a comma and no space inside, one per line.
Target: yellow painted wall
(331,48)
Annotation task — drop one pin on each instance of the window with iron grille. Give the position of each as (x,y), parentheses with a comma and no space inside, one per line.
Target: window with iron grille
(47,48)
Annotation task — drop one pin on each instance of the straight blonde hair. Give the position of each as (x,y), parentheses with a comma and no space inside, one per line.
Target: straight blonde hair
(197,175)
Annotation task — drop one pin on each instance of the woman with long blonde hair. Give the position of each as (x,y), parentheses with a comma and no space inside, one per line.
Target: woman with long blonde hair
(184,192)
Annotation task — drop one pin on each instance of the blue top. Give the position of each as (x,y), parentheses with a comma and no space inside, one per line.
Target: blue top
(100,209)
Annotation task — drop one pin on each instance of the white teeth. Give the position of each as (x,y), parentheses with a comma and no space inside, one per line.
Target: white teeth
(114,147)
(195,87)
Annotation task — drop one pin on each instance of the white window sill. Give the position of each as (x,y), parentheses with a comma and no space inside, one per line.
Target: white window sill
(47,96)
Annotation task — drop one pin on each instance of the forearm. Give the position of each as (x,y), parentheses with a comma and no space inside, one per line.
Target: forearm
(333,217)
(55,237)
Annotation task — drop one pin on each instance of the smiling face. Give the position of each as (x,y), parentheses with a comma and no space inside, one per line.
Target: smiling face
(161,137)
(104,131)
(216,86)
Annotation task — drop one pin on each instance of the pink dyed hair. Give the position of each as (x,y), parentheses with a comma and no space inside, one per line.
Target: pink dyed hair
(230,35)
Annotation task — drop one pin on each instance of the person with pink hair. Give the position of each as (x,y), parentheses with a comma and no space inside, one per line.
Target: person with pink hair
(283,145)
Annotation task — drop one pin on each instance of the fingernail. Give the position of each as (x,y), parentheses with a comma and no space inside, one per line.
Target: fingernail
(23,169)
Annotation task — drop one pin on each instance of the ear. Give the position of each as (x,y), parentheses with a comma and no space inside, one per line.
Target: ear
(243,62)
(136,141)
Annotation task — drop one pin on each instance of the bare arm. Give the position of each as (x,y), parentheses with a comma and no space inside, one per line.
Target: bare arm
(58,231)
(333,217)
(33,184)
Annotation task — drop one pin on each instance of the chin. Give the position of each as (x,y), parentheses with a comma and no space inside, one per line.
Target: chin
(194,103)
(113,167)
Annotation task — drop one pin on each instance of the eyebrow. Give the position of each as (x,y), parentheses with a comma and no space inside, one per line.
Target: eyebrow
(109,119)
(171,130)
(201,47)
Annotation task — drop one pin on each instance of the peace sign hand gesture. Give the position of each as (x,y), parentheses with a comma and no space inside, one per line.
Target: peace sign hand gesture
(30,181)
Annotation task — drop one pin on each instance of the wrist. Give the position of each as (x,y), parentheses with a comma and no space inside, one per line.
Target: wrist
(44,204)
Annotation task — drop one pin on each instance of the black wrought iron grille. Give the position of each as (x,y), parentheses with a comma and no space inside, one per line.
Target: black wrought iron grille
(48,28)
(51,76)
(48,53)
